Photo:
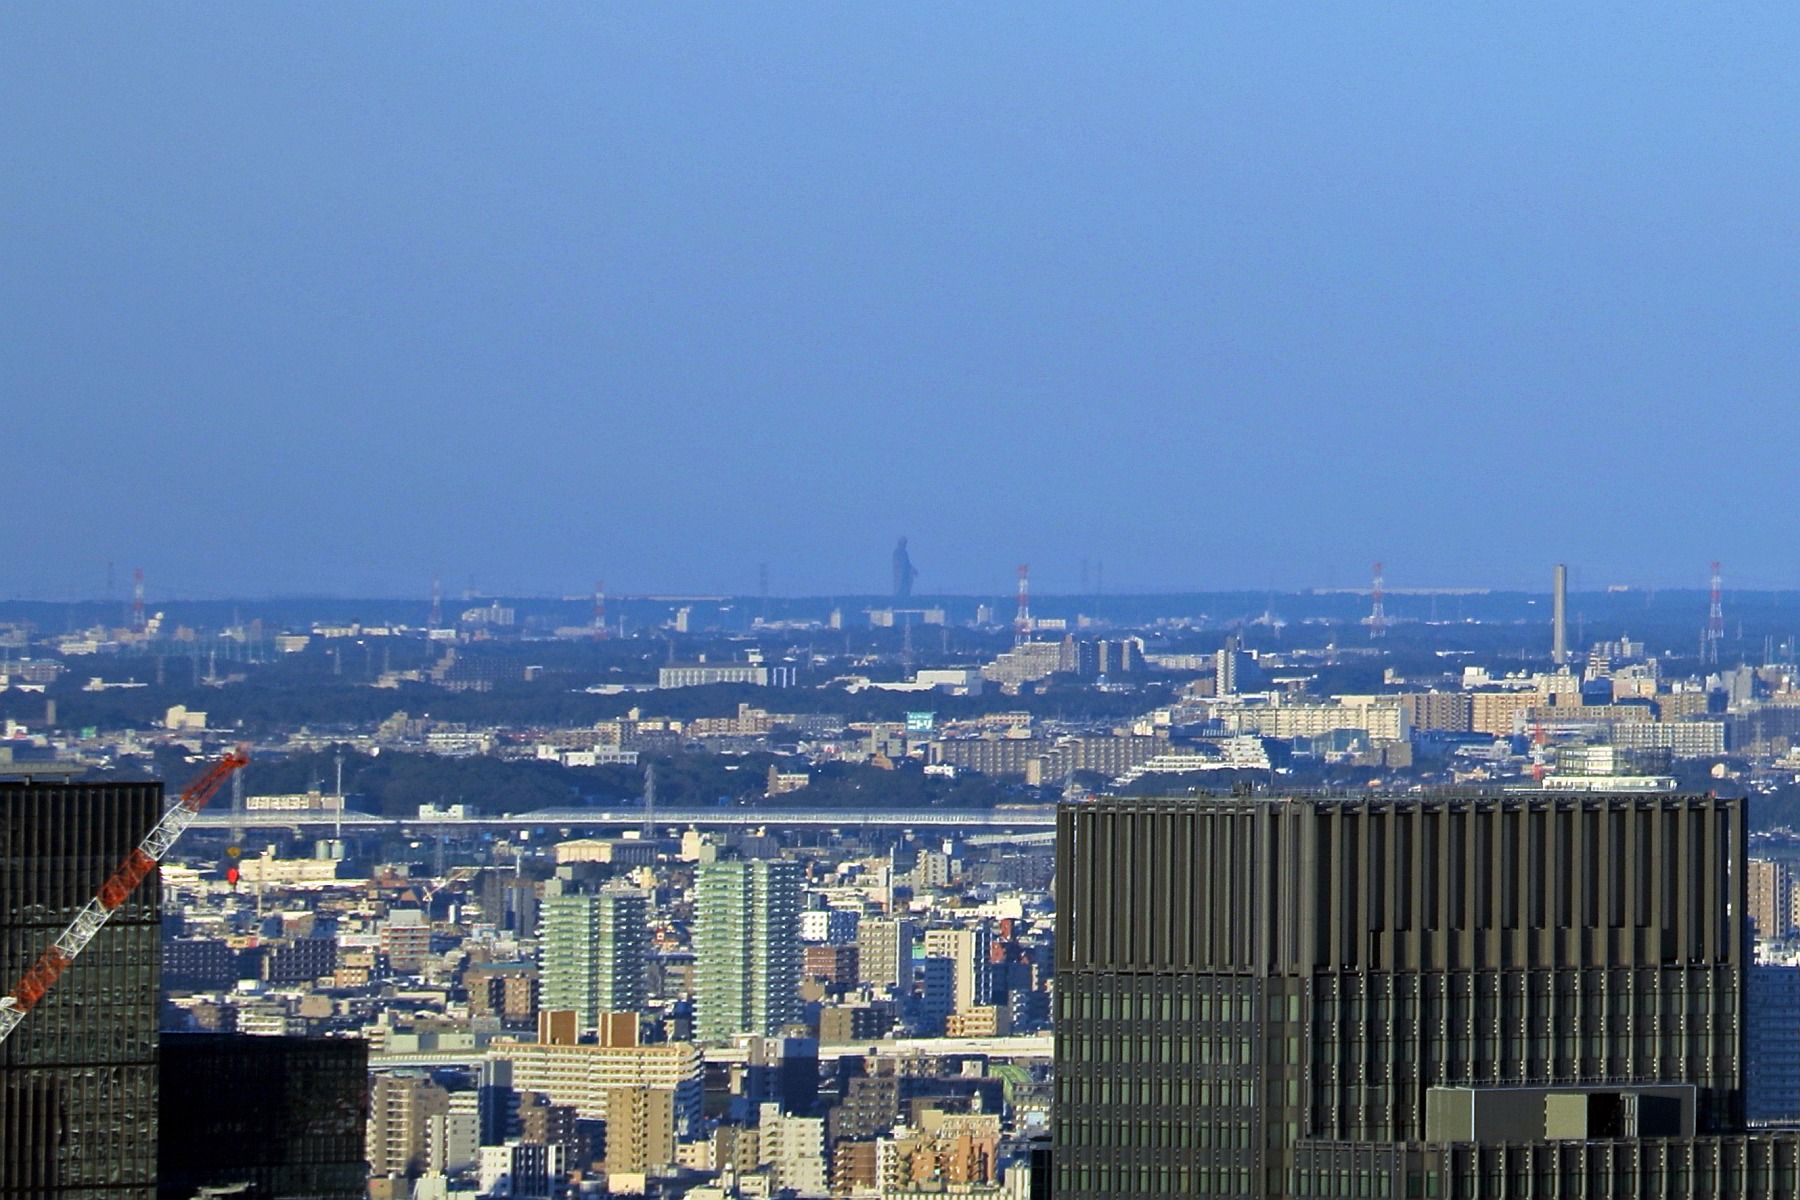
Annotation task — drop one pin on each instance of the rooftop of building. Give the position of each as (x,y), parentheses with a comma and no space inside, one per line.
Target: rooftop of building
(1450,797)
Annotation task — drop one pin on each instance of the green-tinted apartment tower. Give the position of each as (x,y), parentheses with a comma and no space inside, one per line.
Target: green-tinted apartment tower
(1442,996)
(746,948)
(592,953)
(78,1084)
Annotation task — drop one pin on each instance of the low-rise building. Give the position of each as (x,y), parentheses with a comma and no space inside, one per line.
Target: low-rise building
(1683,739)
(979,1021)
(1025,663)
(707,674)
(835,966)
(793,1148)
(841,1024)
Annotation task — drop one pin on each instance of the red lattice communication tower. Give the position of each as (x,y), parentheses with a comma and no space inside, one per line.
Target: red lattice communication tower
(138,622)
(1022,622)
(1377,613)
(1715,619)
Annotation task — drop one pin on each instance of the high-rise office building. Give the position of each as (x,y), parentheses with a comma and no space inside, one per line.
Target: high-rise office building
(1436,996)
(747,948)
(284,1115)
(78,1088)
(592,953)
(1772,1043)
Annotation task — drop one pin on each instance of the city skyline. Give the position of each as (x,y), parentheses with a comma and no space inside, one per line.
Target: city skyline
(1056,580)
(831,957)
(890,603)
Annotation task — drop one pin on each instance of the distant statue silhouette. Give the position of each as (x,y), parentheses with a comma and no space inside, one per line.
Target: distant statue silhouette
(904,572)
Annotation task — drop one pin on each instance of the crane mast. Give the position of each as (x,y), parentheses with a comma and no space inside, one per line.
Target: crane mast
(42,975)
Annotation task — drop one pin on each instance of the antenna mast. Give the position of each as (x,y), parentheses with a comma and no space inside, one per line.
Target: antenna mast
(1022,622)
(649,828)
(1377,612)
(1715,621)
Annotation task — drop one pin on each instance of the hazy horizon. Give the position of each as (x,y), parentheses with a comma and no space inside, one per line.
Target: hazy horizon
(1004,597)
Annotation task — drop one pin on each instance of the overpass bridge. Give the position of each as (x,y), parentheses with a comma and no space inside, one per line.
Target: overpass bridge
(1036,820)
(1018,1046)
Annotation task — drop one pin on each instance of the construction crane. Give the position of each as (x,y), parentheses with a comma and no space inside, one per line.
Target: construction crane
(119,886)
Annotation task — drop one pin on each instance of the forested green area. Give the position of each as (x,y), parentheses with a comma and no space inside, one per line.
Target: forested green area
(395,784)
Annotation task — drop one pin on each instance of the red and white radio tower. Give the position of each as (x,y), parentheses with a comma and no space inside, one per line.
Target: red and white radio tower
(1377,614)
(1022,622)
(137,600)
(1715,620)
(600,608)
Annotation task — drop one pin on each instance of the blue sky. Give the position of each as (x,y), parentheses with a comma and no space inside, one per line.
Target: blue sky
(334,298)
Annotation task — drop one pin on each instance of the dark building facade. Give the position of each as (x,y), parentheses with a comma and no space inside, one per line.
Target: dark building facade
(285,1116)
(1422,996)
(78,1083)
(301,960)
(198,965)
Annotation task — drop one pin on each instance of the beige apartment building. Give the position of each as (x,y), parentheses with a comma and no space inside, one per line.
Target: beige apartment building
(1770,897)
(586,1075)
(1502,714)
(640,1129)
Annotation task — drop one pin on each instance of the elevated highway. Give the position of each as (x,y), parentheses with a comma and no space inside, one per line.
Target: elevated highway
(1022,820)
(1022,1046)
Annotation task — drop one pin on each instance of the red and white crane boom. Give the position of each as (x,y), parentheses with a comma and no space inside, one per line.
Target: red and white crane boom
(43,974)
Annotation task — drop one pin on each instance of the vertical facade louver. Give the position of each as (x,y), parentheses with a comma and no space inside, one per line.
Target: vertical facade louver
(1298,996)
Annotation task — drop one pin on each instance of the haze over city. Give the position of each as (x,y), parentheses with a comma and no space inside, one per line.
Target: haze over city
(841,602)
(333,299)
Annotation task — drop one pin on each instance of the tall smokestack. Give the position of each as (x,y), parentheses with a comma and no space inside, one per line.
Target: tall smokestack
(1559,616)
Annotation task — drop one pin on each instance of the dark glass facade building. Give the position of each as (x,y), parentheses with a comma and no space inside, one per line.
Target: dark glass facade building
(78,1085)
(285,1116)
(1422,996)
